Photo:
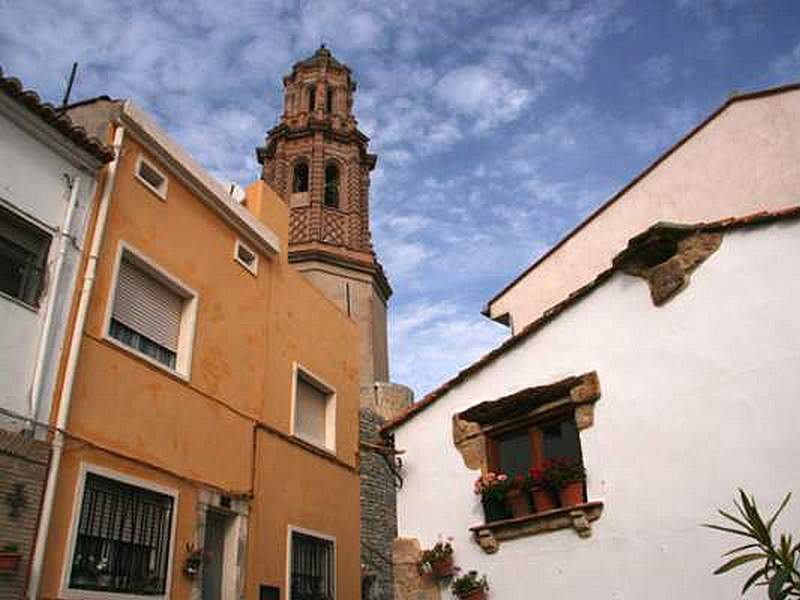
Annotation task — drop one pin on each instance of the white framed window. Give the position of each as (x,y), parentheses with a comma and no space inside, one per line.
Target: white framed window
(23,255)
(313,410)
(246,257)
(151,313)
(151,176)
(121,539)
(311,565)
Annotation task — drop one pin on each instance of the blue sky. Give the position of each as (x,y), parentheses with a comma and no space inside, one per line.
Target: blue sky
(498,125)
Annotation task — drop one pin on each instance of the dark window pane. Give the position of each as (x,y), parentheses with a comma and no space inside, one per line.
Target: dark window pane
(23,252)
(331,186)
(300,183)
(145,345)
(560,440)
(514,453)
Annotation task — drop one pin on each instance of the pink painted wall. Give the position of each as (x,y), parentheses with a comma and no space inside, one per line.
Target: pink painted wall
(745,160)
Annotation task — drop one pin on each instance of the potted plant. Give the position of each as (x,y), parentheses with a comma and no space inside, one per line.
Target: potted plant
(493,488)
(517,497)
(567,476)
(9,558)
(195,557)
(542,493)
(438,560)
(470,586)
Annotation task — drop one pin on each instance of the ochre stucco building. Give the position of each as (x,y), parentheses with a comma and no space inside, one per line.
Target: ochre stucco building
(210,396)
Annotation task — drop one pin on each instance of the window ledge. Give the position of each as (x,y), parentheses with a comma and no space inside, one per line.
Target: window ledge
(579,517)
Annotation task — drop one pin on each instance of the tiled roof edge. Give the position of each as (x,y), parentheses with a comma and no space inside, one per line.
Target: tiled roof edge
(13,88)
(751,220)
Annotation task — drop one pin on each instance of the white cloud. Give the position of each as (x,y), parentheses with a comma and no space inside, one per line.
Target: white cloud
(787,66)
(484,95)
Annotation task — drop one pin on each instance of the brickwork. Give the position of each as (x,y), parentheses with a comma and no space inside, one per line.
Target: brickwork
(23,470)
(378,512)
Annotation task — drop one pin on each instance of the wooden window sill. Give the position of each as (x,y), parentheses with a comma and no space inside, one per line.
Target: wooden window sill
(579,517)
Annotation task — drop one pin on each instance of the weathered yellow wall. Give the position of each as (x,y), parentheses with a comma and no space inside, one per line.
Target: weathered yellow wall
(249,332)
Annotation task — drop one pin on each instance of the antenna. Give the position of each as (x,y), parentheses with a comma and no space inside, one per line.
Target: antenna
(69,86)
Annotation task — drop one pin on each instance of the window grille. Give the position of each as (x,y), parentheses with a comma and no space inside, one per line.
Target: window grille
(123,538)
(313,573)
(23,252)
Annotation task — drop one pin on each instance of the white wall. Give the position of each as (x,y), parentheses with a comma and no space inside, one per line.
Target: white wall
(699,397)
(743,161)
(33,184)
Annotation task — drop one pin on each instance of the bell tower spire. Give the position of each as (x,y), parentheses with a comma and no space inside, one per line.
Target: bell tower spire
(317,160)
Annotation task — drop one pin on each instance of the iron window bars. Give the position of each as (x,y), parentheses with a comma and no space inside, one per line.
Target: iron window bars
(123,538)
(312,568)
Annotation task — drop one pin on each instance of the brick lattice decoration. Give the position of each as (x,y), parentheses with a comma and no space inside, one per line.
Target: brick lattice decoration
(23,470)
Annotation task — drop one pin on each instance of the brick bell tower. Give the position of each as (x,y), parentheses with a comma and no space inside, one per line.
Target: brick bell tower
(317,160)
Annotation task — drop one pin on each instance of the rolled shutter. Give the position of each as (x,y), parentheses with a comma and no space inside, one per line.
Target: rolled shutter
(147,306)
(310,407)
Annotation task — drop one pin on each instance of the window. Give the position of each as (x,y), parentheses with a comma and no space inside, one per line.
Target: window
(246,257)
(312,98)
(314,411)
(329,100)
(332,186)
(517,450)
(312,570)
(152,313)
(300,180)
(152,177)
(122,542)
(523,430)
(23,253)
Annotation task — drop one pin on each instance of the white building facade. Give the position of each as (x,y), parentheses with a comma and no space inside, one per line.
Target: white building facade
(48,172)
(741,159)
(679,369)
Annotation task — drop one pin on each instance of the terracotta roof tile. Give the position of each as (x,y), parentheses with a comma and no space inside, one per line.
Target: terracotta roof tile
(13,88)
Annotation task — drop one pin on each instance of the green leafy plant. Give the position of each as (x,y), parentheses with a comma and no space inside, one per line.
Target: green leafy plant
(467,583)
(779,562)
(493,486)
(441,550)
(558,472)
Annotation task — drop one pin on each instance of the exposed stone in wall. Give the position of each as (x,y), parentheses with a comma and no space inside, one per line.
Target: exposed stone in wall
(665,255)
(378,510)
(23,469)
(386,399)
(470,442)
(409,583)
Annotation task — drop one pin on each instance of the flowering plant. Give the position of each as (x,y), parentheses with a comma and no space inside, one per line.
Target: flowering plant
(442,549)
(469,582)
(493,486)
(558,472)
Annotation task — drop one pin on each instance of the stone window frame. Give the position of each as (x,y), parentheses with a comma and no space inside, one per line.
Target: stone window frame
(526,408)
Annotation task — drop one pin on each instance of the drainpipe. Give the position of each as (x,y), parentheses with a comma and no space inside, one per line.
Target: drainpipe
(44,340)
(37,561)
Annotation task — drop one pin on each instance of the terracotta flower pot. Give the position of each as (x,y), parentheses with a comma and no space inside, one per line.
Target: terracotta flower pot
(517,501)
(571,494)
(476,594)
(443,567)
(9,561)
(543,499)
